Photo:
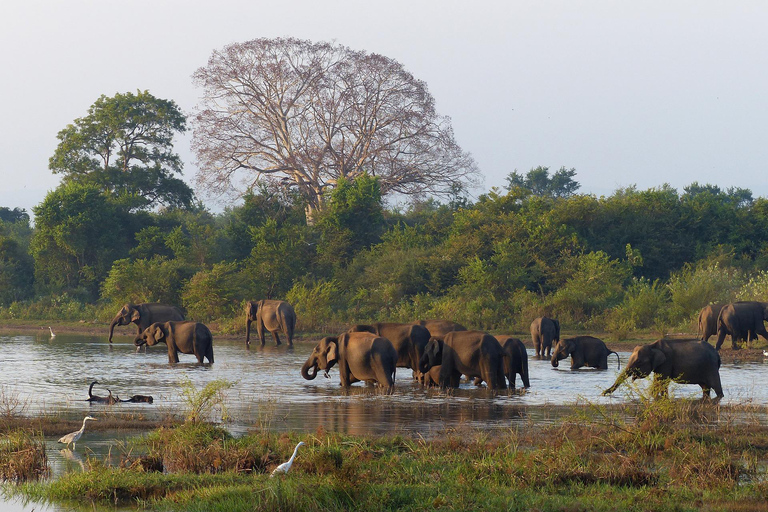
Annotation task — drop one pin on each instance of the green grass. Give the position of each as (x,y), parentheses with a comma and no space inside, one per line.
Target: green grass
(670,455)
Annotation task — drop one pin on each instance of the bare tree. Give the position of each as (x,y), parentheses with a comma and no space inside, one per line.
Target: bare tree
(306,114)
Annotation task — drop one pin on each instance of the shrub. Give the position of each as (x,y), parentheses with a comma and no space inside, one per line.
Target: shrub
(695,286)
(645,305)
(215,293)
(22,456)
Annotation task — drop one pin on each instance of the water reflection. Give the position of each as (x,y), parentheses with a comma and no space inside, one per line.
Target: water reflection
(43,375)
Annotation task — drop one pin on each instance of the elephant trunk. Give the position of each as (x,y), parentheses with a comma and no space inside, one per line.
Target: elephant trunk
(621,378)
(555,361)
(305,370)
(115,322)
(247,330)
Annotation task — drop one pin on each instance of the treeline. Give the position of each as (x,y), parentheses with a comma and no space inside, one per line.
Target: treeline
(632,261)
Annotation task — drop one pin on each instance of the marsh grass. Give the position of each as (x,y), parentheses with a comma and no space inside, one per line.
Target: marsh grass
(665,454)
(22,456)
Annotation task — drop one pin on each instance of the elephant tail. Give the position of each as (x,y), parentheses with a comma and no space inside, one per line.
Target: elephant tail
(618,359)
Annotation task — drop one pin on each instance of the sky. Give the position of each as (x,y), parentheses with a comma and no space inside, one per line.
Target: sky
(627,93)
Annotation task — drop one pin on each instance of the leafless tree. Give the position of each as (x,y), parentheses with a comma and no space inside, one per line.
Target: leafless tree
(305,114)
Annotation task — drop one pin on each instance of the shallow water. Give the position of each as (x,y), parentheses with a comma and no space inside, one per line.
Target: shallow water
(43,375)
(52,376)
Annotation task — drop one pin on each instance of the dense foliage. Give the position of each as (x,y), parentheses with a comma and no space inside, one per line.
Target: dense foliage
(630,261)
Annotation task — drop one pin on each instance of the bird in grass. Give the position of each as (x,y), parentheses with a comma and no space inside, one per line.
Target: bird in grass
(286,466)
(71,439)
(53,335)
(765,353)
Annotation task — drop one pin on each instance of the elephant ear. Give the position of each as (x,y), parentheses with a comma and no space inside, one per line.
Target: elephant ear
(333,352)
(159,333)
(658,358)
(135,316)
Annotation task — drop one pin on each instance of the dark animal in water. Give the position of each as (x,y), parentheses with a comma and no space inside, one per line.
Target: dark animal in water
(101,399)
(140,399)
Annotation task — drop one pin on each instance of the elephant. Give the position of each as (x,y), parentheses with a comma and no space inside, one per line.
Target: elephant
(708,320)
(144,315)
(439,328)
(362,356)
(584,351)
(186,337)
(515,360)
(543,332)
(272,315)
(409,340)
(472,353)
(685,361)
(432,378)
(743,321)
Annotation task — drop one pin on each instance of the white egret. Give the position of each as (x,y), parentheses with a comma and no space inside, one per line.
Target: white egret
(53,335)
(285,466)
(74,436)
(765,353)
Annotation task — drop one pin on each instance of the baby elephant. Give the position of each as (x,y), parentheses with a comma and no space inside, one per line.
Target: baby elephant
(584,351)
(185,337)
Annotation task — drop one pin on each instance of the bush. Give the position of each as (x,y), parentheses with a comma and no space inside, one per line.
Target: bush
(697,285)
(645,305)
(755,289)
(315,303)
(145,280)
(214,294)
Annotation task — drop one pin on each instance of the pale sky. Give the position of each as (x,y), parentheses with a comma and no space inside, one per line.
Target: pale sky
(641,93)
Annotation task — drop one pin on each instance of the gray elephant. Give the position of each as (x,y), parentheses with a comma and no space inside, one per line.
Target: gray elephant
(515,360)
(186,337)
(472,353)
(409,340)
(439,328)
(543,332)
(584,351)
(743,321)
(685,361)
(708,320)
(144,315)
(271,315)
(361,356)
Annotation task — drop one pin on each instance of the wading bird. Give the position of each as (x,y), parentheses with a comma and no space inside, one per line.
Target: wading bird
(52,333)
(765,353)
(74,436)
(285,466)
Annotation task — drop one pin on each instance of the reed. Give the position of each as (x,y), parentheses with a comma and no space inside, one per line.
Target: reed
(22,456)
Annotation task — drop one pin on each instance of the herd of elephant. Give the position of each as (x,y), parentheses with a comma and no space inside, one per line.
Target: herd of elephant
(440,351)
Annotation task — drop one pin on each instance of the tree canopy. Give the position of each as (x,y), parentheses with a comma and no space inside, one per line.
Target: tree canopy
(308,114)
(124,145)
(539,183)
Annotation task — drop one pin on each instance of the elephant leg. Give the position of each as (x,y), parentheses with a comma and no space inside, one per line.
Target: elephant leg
(276,337)
(173,354)
(721,333)
(260,328)
(209,352)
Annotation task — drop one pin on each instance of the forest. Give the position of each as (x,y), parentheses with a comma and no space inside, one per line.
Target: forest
(637,260)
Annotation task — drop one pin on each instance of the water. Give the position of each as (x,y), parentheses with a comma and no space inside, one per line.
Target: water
(52,376)
(41,375)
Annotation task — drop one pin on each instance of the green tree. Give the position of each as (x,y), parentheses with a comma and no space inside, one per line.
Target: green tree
(124,145)
(353,219)
(79,232)
(539,183)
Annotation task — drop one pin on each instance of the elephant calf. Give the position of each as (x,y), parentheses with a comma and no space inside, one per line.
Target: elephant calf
(584,351)
(472,353)
(685,361)
(544,331)
(515,360)
(185,337)
(361,356)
